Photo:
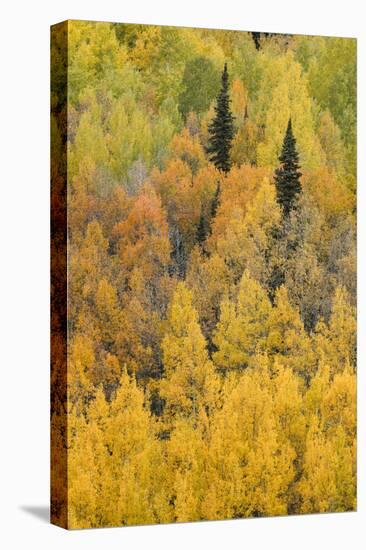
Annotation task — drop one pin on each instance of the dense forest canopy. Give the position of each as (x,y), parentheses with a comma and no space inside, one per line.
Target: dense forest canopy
(211,310)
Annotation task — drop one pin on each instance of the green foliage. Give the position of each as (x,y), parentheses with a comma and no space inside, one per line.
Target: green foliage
(221,129)
(202,229)
(287,177)
(200,83)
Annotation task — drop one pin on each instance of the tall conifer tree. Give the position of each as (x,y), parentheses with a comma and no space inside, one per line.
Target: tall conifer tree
(221,129)
(205,222)
(216,200)
(203,228)
(287,176)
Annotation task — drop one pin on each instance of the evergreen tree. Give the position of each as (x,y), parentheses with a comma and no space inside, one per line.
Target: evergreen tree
(216,200)
(258,36)
(287,176)
(202,228)
(256,39)
(221,129)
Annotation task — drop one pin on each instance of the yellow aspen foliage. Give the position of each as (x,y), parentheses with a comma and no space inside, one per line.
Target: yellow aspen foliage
(331,142)
(134,455)
(187,460)
(82,363)
(107,371)
(204,45)
(205,184)
(330,195)
(243,327)
(338,406)
(305,279)
(230,245)
(89,43)
(262,217)
(287,337)
(329,478)
(129,429)
(347,266)
(189,381)
(268,473)
(229,354)
(285,94)
(288,406)
(208,278)
(237,190)
(246,238)
(314,396)
(147,46)
(206,120)
(337,340)
(132,348)
(112,457)
(86,266)
(239,101)
(252,466)
(90,143)
(88,459)
(132,137)
(189,150)
(95,244)
(82,203)
(263,208)
(140,332)
(342,326)
(244,150)
(329,475)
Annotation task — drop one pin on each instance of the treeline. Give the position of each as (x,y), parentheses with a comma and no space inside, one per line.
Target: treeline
(212,336)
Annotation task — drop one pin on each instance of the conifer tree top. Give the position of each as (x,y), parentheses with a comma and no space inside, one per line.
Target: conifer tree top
(287,176)
(221,129)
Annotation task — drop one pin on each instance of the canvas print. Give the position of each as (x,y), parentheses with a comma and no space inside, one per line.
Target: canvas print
(203,274)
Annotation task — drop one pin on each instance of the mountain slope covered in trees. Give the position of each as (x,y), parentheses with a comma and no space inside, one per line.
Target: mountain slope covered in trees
(212,274)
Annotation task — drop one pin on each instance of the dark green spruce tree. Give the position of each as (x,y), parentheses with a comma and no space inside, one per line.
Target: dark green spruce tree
(287,176)
(203,229)
(204,225)
(221,132)
(216,200)
(221,129)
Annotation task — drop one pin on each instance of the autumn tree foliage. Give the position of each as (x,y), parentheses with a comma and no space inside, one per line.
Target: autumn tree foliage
(189,380)
(211,297)
(243,327)
(200,85)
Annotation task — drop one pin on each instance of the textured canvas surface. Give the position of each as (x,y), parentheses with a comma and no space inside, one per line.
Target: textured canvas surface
(203,274)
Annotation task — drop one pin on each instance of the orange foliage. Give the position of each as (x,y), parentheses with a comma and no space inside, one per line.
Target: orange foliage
(189,150)
(238,189)
(328,193)
(143,236)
